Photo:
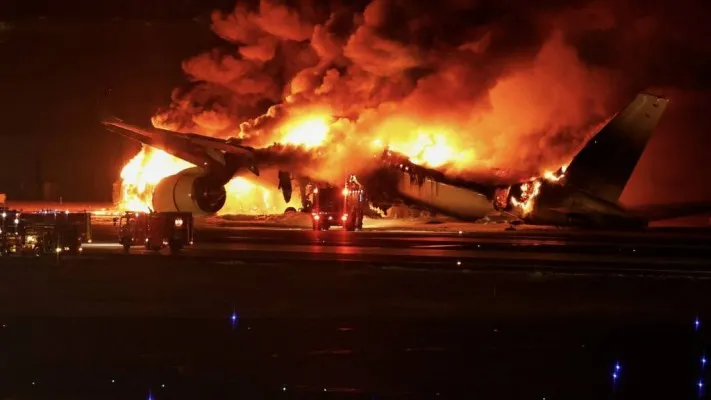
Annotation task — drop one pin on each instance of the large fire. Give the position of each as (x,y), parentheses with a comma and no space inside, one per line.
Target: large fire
(346,83)
(245,196)
(310,130)
(142,173)
(428,149)
(531,190)
(433,149)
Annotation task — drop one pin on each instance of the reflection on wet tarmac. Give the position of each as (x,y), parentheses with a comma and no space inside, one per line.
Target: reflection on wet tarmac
(181,358)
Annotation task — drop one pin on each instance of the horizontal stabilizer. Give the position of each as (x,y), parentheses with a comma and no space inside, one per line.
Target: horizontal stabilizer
(668,211)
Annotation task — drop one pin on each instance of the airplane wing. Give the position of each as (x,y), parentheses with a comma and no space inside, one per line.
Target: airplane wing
(203,151)
(220,158)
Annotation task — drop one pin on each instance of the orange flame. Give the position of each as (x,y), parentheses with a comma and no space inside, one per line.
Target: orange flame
(557,176)
(308,131)
(146,169)
(248,197)
(531,190)
(142,173)
(431,148)
(425,145)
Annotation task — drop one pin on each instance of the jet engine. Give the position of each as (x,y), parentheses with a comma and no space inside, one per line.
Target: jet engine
(189,191)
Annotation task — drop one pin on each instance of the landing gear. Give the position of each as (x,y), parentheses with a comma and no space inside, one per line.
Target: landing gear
(175,247)
(126,242)
(354,225)
(320,227)
(356,222)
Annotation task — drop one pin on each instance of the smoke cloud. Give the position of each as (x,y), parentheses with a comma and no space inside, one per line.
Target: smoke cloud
(513,85)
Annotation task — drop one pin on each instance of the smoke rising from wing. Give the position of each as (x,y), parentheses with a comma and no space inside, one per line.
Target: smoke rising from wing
(474,84)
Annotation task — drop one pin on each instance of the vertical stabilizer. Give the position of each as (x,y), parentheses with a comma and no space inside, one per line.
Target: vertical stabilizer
(605,164)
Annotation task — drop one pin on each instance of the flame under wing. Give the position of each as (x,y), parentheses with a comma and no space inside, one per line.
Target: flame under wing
(219,156)
(217,160)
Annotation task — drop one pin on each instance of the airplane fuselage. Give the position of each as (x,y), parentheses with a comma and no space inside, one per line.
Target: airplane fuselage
(563,205)
(588,196)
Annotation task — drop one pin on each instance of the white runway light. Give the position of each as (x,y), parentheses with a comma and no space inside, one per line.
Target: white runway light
(102,245)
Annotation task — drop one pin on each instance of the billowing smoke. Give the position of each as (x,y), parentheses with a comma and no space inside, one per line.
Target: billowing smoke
(514,85)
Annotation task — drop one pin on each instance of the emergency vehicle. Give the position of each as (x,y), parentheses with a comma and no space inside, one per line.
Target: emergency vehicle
(333,206)
(155,230)
(43,232)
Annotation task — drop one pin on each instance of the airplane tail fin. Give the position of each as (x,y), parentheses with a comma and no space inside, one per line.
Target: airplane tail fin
(603,167)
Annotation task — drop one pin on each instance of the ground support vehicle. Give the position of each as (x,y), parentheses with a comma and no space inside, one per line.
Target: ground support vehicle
(155,230)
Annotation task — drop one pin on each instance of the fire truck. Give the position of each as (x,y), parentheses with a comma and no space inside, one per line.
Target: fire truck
(155,230)
(334,206)
(43,232)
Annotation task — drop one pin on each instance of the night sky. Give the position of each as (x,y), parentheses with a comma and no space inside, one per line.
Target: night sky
(65,68)
(66,65)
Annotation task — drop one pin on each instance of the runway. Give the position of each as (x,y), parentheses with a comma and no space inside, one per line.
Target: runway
(653,252)
(284,313)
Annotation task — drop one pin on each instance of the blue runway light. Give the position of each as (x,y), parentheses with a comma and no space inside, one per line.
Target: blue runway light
(697,323)
(703,361)
(234,319)
(700,384)
(616,372)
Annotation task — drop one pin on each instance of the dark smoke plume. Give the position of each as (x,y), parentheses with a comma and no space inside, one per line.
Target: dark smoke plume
(515,84)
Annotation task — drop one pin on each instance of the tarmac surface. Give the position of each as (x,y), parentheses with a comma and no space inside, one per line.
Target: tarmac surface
(662,251)
(285,313)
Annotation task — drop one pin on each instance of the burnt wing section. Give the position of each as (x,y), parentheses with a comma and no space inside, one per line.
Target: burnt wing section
(605,164)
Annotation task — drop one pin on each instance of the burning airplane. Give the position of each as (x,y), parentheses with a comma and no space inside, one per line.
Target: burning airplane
(324,92)
(585,193)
